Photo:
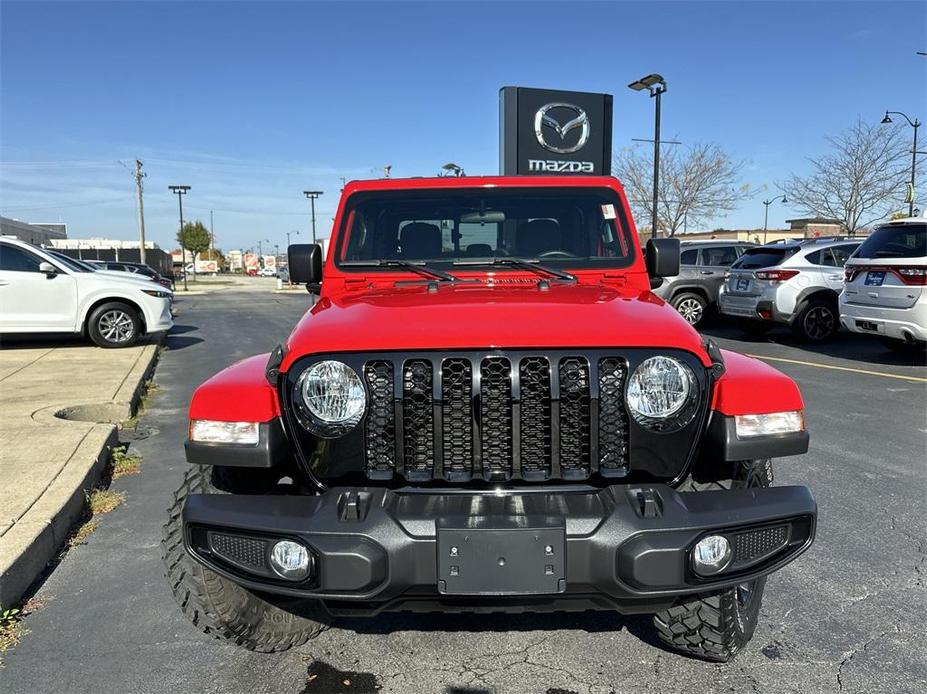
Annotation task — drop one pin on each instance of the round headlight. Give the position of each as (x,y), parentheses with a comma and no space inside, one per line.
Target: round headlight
(330,399)
(660,388)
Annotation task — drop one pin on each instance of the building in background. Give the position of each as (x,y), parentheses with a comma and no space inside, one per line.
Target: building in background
(39,234)
(115,249)
(235,259)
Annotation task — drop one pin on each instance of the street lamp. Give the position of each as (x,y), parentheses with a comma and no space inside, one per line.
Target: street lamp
(656,85)
(180,191)
(914,124)
(767,203)
(312,195)
(294,233)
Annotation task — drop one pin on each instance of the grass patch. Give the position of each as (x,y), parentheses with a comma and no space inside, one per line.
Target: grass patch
(124,463)
(149,390)
(104,500)
(81,533)
(12,628)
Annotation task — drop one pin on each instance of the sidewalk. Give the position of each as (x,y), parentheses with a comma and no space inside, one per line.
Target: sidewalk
(46,461)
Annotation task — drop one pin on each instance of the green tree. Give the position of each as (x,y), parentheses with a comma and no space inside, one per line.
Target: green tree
(194,237)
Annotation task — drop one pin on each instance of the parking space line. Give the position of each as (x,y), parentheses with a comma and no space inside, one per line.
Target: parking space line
(916,379)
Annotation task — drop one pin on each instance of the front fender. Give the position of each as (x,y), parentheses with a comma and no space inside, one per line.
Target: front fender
(238,393)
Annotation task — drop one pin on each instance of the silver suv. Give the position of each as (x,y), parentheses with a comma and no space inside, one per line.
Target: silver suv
(791,282)
(703,265)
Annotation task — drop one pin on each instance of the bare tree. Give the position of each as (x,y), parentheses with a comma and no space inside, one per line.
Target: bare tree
(697,184)
(859,181)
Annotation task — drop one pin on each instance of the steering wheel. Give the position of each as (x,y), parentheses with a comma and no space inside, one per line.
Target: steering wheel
(557,254)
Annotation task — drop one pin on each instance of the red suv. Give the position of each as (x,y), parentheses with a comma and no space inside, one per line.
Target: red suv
(487,409)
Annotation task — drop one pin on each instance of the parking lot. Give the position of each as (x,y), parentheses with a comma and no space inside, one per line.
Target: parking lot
(847,616)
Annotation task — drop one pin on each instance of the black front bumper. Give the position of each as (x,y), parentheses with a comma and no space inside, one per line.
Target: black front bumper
(625,547)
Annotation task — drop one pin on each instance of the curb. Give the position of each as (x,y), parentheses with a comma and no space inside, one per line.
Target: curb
(35,539)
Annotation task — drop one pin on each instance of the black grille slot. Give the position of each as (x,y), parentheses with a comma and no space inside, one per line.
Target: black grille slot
(456,389)
(613,416)
(535,425)
(418,418)
(496,416)
(575,415)
(755,544)
(380,427)
(245,552)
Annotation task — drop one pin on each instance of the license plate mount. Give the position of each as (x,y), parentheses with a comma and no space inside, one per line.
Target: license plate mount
(501,561)
(867,325)
(742,285)
(874,279)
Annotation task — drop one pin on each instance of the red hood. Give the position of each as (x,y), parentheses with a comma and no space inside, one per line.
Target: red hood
(457,317)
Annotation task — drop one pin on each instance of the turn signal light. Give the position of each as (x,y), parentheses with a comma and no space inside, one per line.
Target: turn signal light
(209,431)
(912,275)
(776,275)
(749,425)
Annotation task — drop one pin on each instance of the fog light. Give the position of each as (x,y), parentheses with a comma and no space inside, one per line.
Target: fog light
(290,560)
(711,555)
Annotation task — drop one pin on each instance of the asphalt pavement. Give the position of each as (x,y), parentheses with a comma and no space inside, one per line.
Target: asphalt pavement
(849,615)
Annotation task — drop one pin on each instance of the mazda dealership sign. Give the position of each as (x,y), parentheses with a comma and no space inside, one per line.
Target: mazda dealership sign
(554,132)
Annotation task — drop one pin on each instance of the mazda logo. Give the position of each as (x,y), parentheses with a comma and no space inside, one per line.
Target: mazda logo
(542,118)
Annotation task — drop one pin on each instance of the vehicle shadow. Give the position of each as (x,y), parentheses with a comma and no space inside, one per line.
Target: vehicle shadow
(181,329)
(51,341)
(848,346)
(178,342)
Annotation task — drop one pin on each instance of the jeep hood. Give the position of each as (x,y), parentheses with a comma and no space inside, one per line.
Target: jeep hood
(481,316)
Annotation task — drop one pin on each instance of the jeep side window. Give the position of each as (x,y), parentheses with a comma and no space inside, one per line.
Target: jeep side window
(13,259)
(688,257)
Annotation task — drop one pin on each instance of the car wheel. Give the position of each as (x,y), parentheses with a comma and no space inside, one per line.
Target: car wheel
(114,325)
(816,322)
(691,307)
(222,608)
(717,625)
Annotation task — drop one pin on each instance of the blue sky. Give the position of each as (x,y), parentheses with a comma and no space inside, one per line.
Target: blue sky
(252,103)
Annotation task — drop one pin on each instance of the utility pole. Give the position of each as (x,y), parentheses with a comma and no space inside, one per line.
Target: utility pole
(180,191)
(212,238)
(312,195)
(138,175)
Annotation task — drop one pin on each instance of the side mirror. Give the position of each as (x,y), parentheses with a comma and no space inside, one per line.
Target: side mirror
(662,258)
(50,270)
(305,261)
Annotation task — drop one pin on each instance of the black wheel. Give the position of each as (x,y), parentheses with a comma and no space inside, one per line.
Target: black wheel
(691,307)
(114,324)
(715,626)
(221,608)
(816,322)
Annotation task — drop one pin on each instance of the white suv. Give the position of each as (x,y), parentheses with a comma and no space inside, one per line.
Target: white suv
(793,282)
(884,293)
(45,293)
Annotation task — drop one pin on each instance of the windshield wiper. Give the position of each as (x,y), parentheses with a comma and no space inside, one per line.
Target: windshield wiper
(418,268)
(532,264)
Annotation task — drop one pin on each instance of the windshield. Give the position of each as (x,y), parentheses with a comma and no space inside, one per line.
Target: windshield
(71,263)
(763,256)
(901,241)
(575,228)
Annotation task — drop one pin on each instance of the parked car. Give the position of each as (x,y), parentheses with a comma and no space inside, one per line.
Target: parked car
(701,273)
(795,283)
(283,273)
(45,292)
(884,292)
(487,410)
(267,272)
(135,268)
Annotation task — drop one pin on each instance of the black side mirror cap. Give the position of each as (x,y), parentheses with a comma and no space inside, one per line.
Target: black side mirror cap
(662,257)
(305,260)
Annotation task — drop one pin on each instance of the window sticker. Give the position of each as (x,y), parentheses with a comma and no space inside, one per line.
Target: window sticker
(608,211)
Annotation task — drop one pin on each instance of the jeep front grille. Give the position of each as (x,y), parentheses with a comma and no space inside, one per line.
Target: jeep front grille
(496,417)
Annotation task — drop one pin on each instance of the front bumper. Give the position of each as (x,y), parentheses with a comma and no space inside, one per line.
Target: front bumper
(625,547)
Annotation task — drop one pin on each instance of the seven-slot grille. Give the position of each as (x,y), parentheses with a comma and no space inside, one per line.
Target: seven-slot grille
(496,417)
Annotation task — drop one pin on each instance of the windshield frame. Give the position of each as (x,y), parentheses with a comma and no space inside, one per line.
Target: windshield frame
(622,225)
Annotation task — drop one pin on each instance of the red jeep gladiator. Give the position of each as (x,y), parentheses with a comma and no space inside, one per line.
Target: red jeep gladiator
(487,410)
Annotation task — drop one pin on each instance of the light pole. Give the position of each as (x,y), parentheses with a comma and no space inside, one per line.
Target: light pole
(767,203)
(288,234)
(914,124)
(180,191)
(656,85)
(312,195)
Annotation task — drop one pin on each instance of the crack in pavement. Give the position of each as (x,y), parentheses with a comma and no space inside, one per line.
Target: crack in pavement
(860,649)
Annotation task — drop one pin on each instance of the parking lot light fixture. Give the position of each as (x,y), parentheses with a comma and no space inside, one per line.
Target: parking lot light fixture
(767,203)
(656,85)
(312,195)
(180,191)
(914,124)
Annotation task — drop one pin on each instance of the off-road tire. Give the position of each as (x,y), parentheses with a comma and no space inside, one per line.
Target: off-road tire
(817,321)
(114,324)
(221,608)
(691,306)
(715,626)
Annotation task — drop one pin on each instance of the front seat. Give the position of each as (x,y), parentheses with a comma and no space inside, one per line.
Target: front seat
(420,240)
(538,236)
